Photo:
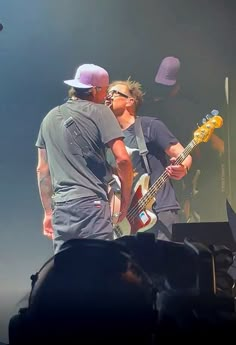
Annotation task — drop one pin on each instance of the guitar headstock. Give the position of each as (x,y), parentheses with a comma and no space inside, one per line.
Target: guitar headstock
(210,122)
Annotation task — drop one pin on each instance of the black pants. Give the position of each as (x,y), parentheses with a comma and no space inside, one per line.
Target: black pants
(81,218)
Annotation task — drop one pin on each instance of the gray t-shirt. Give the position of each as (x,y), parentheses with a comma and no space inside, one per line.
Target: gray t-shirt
(76,152)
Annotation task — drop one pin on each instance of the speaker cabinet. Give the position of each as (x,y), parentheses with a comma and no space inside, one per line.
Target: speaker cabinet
(218,233)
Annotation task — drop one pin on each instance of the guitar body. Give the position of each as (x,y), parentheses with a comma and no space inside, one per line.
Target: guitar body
(141,217)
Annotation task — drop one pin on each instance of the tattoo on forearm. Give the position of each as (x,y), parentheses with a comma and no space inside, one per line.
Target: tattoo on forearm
(45,188)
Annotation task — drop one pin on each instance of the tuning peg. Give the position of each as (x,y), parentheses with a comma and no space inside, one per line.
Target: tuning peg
(203,120)
(208,116)
(214,112)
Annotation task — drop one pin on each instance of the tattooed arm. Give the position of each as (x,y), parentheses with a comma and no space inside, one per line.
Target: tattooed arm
(45,191)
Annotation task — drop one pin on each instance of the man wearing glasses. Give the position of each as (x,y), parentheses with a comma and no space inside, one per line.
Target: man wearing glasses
(124,98)
(72,173)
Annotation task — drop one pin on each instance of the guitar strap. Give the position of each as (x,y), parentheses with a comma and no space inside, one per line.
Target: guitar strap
(143,151)
(83,147)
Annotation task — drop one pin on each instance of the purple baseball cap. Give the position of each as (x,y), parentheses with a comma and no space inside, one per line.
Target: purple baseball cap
(168,70)
(89,75)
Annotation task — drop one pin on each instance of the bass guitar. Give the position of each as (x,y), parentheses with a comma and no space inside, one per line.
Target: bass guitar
(140,216)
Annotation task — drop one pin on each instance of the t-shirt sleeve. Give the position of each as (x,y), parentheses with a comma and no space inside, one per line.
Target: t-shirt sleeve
(40,143)
(108,125)
(161,135)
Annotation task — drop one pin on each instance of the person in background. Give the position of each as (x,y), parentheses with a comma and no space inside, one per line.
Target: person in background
(72,174)
(182,112)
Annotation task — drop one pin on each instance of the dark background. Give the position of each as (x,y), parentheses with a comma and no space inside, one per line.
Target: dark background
(42,43)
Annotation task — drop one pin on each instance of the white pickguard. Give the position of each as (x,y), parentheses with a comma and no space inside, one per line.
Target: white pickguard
(124,227)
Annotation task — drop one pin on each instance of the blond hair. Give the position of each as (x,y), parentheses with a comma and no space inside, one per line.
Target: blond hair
(135,90)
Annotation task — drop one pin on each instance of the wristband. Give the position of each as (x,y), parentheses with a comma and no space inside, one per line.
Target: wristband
(116,215)
(186,168)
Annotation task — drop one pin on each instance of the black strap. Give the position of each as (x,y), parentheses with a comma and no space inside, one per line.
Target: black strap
(70,125)
(82,144)
(143,151)
(91,159)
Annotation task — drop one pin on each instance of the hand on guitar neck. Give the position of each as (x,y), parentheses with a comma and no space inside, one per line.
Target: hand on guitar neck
(177,171)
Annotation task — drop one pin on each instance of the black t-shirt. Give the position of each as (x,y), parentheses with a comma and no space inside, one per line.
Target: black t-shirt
(180,115)
(74,162)
(158,138)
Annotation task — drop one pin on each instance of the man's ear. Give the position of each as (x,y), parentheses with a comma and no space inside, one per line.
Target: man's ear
(93,91)
(175,89)
(130,102)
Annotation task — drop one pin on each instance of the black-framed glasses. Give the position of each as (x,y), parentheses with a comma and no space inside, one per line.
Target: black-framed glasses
(111,93)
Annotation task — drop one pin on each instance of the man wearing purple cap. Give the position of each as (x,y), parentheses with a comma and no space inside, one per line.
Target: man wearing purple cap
(178,111)
(181,115)
(72,173)
(181,111)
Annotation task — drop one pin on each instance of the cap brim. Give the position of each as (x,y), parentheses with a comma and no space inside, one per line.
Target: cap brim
(77,84)
(165,81)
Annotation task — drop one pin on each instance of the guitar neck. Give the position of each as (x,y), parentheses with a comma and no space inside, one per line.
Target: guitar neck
(163,178)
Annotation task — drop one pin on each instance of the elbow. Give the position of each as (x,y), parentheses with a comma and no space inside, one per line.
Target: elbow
(125,167)
(42,171)
(123,161)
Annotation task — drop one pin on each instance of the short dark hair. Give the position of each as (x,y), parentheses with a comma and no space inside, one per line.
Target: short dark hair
(79,93)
